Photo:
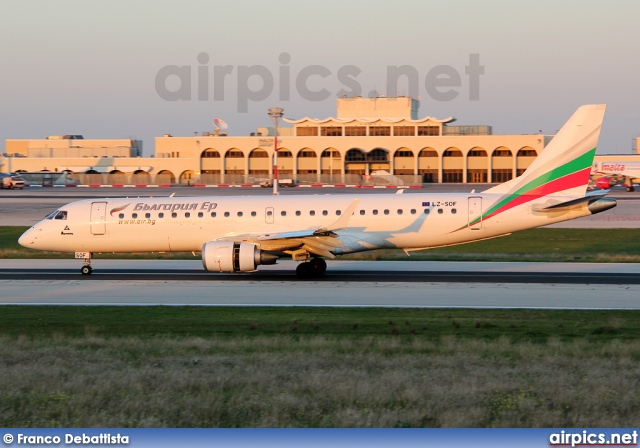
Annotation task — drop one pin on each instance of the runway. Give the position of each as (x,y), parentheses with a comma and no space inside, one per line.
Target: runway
(348,283)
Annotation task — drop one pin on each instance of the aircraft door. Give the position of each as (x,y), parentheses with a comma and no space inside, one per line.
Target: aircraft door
(98,215)
(475,213)
(268,215)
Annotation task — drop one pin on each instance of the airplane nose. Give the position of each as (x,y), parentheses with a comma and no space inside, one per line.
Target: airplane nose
(27,238)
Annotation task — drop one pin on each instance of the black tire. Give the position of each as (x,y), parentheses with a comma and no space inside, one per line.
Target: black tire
(318,266)
(304,270)
(86,270)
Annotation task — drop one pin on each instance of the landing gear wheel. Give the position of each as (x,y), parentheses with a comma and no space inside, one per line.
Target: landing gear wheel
(318,266)
(86,270)
(314,268)
(629,189)
(304,270)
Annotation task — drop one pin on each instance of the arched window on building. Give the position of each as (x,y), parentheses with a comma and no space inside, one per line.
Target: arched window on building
(501,165)
(404,162)
(452,166)
(477,165)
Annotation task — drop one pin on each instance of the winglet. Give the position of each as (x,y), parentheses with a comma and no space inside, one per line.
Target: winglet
(341,223)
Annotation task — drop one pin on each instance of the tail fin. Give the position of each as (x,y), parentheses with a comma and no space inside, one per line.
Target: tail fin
(564,166)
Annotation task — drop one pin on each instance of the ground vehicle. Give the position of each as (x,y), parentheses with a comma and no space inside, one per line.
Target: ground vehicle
(281,182)
(11,181)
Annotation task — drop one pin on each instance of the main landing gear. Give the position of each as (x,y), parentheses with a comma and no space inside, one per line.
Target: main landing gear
(315,267)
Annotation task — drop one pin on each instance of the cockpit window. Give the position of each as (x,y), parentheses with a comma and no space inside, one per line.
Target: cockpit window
(62,214)
(50,216)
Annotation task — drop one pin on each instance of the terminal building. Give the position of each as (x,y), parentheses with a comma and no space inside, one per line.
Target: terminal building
(369,140)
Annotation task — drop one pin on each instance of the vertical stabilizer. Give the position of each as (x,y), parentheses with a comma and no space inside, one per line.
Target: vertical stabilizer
(564,166)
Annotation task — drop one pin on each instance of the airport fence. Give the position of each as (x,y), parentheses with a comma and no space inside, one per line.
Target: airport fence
(121,179)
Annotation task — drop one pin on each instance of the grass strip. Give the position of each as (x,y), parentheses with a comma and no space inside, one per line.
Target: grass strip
(305,367)
(519,325)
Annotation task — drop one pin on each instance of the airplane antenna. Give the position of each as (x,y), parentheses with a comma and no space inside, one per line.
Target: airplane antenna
(172,194)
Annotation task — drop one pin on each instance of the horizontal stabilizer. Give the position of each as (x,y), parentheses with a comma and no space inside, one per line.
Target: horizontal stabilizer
(572,203)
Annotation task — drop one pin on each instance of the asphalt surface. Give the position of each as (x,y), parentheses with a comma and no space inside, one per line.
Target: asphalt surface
(347,275)
(347,283)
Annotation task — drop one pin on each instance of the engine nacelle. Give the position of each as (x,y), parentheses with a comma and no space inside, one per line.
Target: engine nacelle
(604,183)
(227,256)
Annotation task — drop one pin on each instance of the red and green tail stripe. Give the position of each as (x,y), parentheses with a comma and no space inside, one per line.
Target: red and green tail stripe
(570,175)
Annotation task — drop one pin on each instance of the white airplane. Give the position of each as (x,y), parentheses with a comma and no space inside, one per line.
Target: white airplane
(236,234)
(607,174)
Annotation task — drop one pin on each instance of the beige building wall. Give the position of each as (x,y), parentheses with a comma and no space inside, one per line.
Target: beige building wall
(358,107)
(310,150)
(306,153)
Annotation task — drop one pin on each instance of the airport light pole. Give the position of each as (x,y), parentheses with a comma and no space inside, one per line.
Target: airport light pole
(275,113)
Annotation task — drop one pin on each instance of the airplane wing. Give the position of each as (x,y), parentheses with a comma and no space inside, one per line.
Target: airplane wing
(318,241)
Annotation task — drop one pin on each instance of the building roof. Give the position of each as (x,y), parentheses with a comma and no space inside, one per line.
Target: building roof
(368,120)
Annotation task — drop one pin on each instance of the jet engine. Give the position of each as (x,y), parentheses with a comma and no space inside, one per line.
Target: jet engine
(228,256)
(604,183)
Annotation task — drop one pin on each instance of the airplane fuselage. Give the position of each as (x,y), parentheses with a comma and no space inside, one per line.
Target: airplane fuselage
(408,221)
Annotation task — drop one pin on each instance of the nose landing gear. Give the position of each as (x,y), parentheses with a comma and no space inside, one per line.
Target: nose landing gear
(86,256)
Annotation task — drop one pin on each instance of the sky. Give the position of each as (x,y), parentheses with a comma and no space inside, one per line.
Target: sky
(141,69)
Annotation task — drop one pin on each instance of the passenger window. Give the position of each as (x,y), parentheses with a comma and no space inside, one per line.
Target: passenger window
(454,211)
(135,215)
(325,213)
(338,212)
(399,211)
(240,214)
(253,213)
(174,215)
(200,214)
(426,211)
(147,215)
(269,213)
(160,215)
(375,212)
(213,214)
(226,214)
(121,215)
(283,213)
(362,212)
(297,212)
(187,215)
(386,212)
(413,211)
(312,213)
(440,211)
